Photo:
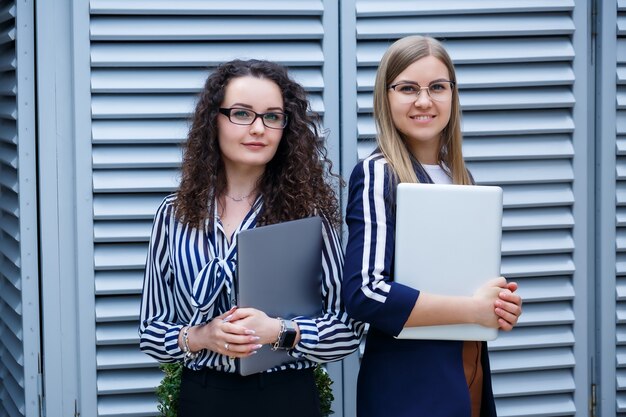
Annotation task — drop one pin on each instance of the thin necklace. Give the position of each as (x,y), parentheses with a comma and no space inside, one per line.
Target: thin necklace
(240,198)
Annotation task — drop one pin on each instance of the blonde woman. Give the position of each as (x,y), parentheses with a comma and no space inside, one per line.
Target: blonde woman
(416,108)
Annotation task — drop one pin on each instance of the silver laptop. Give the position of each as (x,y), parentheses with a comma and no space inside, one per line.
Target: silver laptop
(279,271)
(448,242)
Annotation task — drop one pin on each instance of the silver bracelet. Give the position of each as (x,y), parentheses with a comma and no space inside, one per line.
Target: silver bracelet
(189,355)
(276,344)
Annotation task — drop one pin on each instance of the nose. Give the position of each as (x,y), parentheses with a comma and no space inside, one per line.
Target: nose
(423,98)
(257,126)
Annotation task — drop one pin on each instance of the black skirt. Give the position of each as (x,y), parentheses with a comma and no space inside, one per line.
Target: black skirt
(283,393)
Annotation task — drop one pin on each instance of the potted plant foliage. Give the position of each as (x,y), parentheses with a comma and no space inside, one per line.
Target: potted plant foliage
(167,392)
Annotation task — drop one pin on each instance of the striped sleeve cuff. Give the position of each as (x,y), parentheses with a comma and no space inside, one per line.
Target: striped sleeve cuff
(309,337)
(171,342)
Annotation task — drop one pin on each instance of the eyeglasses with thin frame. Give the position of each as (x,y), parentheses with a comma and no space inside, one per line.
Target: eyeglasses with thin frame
(408,92)
(241,116)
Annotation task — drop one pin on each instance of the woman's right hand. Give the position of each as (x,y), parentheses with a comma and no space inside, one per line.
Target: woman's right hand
(486,297)
(223,337)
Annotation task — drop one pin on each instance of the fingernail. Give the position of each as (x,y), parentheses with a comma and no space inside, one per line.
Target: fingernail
(257,347)
(250,332)
(254,339)
(253,352)
(228,318)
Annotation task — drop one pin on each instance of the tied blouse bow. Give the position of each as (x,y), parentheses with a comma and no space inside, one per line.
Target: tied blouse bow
(219,273)
(211,279)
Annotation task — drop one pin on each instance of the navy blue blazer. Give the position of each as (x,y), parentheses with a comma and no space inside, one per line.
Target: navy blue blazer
(397,377)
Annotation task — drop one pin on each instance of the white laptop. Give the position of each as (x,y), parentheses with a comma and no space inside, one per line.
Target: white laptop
(448,242)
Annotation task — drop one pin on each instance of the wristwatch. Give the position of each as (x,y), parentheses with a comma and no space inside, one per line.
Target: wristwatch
(288,336)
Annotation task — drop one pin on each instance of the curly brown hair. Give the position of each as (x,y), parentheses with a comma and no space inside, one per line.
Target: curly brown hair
(296,182)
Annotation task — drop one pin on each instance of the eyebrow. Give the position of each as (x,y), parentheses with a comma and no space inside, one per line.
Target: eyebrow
(247,106)
(416,83)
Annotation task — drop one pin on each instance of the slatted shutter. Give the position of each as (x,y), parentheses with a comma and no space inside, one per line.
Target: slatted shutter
(619,77)
(149,60)
(518,86)
(19,278)
(611,142)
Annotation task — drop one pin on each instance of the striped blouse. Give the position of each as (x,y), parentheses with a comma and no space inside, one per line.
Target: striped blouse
(189,280)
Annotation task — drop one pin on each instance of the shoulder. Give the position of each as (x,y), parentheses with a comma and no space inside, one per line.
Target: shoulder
(372,180)
(374,166)
(168,202)
(166,207)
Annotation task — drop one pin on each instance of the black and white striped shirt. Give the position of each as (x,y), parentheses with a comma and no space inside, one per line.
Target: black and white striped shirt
(189,279)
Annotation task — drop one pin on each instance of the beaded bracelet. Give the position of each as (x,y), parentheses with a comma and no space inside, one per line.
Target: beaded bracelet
(189,355)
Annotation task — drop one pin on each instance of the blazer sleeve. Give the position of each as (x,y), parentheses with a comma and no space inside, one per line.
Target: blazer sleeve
(334,334)
(159,327)
(369,292)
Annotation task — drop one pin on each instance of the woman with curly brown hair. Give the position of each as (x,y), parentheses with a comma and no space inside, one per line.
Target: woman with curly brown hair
(253,157)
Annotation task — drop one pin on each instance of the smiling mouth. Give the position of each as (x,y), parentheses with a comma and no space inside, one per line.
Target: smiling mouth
(422,117)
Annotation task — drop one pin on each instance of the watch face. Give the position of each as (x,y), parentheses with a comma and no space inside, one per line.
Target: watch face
(290,338)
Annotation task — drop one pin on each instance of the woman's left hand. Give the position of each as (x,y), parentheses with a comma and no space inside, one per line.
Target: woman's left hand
(508,307)
(266,328)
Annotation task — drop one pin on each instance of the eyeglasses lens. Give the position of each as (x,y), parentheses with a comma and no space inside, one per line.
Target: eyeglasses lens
(273,120)
(410,92)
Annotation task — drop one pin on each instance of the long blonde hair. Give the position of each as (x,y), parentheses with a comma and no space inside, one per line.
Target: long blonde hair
(397,58)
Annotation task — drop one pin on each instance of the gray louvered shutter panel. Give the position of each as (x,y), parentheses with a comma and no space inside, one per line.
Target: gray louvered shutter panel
(515,72)
(19,292)
(617,73)
(149,60)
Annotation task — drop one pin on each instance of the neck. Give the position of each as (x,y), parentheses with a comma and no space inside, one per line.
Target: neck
(425,152)
(242,183)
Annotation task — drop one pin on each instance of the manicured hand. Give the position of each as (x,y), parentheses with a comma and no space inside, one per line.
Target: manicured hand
(266,328)
(223,336)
